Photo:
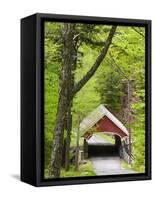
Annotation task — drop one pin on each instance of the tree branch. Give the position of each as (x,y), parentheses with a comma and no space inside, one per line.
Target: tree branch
(119,68)
(138,32)
(97,63)
(90,41)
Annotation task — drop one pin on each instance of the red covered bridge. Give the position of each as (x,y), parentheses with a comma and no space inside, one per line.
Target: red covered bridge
(102,120)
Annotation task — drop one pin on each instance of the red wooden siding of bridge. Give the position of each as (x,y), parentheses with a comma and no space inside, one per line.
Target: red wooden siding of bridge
(106,125)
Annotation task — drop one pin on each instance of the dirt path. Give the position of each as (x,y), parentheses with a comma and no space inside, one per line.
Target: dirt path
(106,165)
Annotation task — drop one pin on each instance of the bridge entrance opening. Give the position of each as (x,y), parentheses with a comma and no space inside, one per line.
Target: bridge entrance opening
(103,144)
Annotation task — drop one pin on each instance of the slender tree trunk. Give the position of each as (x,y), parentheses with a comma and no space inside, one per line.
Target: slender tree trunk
(77,144)
(69,113)
(129,123)
(68,138)
(63,102)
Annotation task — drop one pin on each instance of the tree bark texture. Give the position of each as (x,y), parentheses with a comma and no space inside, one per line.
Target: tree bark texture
(69,112)
(77,144)
(68,138)
(63,101)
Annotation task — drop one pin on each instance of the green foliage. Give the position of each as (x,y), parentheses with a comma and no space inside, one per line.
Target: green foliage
(50,109)
(51,76)
(110,89)
(87,98)
(106,137)
(106,86)
(138,131)
(84,170)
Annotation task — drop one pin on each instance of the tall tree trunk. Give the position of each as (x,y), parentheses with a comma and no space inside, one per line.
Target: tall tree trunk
(63,102)
(68,137)
(77,144)
(69,113)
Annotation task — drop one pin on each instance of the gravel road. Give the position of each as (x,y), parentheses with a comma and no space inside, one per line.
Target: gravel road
(106,165)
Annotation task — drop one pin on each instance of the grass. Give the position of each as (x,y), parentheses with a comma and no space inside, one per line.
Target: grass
(140,169)
(84,170)
(124,165)
(106,137)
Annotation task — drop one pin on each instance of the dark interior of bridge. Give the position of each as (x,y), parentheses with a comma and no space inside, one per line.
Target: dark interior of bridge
(107,149)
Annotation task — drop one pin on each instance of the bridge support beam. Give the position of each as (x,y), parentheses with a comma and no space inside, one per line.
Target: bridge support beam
(85,145)
(117,143)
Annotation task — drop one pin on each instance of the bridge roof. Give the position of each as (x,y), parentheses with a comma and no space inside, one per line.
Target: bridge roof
(97,114)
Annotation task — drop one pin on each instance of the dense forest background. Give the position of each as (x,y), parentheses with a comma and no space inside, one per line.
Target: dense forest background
(124,61)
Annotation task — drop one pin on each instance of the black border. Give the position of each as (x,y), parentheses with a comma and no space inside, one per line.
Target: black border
(41,18)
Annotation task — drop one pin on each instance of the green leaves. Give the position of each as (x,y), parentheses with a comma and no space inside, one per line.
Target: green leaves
(50,109)
(107,86)
(128,51)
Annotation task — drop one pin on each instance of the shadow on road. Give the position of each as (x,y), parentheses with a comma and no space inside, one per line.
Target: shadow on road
(102,150)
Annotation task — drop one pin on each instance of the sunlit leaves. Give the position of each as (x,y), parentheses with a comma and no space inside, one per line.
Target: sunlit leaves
(106,86)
